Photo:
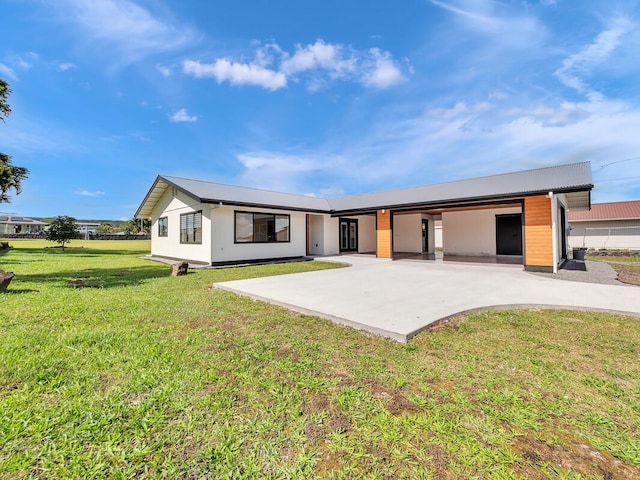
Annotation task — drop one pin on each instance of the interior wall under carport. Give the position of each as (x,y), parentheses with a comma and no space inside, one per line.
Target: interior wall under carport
(472,232)
(407,233)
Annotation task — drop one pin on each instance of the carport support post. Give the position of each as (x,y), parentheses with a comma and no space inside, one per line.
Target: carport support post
(384,245)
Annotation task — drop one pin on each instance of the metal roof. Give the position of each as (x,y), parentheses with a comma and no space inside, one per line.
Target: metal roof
(609,211)
(209,192)
(573,179)
(15,220)
(562,178)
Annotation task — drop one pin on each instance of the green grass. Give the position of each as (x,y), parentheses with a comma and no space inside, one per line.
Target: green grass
(154,376)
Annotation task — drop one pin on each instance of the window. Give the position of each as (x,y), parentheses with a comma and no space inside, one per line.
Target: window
(191,227)
(261,227)
(163,227)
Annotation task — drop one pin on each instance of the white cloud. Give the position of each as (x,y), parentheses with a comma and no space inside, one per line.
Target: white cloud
(164,70)
(510,30)
(88,193)
(63,67)
(236,73)
(578,65)
(318,64)
(124,28)
(314,56)
(8,72)
(382,71)
(182,116)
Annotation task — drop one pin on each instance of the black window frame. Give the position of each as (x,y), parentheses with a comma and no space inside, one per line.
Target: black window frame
(263,214)
(163,226)
(184,239)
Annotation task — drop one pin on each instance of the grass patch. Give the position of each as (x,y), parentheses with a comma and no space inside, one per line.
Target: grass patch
(158,376)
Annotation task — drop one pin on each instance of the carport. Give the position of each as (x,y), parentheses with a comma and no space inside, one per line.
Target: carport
(517,217)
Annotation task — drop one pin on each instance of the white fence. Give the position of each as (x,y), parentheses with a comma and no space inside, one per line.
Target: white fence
(605,237)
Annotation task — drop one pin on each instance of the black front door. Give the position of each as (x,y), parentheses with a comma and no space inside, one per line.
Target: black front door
(348,235)
(425,236)
(509,234)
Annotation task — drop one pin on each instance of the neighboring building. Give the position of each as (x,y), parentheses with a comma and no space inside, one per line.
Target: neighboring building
(87,229)
(613,225)
(12,224)
(521,215)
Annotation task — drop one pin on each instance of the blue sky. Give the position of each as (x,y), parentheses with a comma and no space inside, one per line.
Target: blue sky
(325,98)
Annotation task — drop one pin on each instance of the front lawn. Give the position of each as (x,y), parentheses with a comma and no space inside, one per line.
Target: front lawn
(146,375)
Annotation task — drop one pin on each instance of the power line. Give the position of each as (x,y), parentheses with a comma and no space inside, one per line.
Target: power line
(602,167)
(617,179)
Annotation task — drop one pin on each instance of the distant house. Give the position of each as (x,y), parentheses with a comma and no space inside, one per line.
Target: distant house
(13,224)
(520,215)
(87,229)
(613,225)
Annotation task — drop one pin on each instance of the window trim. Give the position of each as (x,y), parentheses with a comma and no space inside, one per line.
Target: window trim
(235,224)
(166,226)
(194,241)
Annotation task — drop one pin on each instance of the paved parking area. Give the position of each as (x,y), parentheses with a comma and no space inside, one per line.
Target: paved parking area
(398,299)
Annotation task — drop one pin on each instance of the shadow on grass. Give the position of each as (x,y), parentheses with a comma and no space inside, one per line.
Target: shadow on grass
(17,291)
(99,277)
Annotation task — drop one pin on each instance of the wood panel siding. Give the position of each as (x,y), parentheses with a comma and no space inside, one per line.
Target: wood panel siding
(383,234)
(538,238)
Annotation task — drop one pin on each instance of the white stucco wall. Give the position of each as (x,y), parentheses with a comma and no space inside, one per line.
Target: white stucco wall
(172,207)
(612,234)
(224,248)
(472,232)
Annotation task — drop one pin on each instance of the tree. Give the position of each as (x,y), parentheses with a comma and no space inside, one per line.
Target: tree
(62,230)
(11,177)
(5,91)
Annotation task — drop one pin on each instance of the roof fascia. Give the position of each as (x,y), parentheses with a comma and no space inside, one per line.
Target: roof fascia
(457,203)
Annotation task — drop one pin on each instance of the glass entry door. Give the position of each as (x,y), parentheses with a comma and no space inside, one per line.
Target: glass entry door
(348,235)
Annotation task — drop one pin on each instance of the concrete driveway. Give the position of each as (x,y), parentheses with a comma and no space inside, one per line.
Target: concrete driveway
(398,299)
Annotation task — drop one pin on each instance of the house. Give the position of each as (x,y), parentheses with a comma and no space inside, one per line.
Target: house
(613,225)
(520,216)
(87,229)
(12,224)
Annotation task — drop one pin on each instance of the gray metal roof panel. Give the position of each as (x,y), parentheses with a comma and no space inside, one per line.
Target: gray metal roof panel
(218,192)
(557,178)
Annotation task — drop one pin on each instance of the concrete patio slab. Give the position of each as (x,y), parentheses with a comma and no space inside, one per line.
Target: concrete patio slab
(399,299)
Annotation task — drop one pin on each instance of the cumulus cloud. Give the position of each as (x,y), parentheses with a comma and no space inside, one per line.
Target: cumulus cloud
(89,193)
(318,64)
(236,73)
(182,116)
(382,71)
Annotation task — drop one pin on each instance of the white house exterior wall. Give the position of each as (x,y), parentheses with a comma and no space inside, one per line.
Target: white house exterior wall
(172,207)
(224,248)
(472,232)
(612,234)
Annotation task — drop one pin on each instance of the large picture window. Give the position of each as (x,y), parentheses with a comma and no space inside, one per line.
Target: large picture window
(163,227)
(253,227)
(191,227)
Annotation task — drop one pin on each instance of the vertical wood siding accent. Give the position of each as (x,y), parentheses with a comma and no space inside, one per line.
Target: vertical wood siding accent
(537,232)
(383,234)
